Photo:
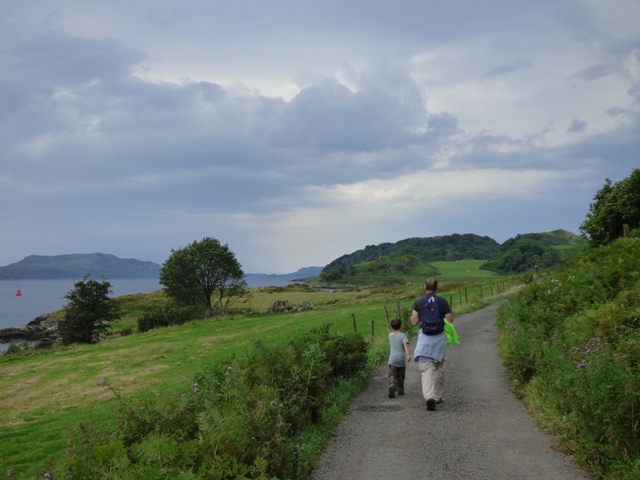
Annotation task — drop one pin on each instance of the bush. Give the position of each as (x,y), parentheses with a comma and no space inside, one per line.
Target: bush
(126,331)
(164,317)
(15,348)
(243,418)
(571,343)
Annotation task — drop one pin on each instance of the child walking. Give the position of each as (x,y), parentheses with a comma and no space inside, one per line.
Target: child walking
(398,357)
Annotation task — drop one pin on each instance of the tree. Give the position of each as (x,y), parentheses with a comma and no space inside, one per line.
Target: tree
(612,207)
(89,312)
(195,273)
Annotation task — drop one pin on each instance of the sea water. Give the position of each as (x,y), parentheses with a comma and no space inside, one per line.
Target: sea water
(39,297)
(45,296)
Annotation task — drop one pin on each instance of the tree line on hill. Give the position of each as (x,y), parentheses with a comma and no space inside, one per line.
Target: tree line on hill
(614,207)
(393,260)
(533,251)
(404,256)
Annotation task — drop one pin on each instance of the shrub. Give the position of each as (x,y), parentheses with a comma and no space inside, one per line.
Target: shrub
(243,418)
(14,349)
(571,343)
(164,317)
(126,331)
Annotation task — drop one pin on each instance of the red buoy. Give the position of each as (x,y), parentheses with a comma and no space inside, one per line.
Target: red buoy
(18,293)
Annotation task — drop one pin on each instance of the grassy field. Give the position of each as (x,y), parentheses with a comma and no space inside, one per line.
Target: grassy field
(45,394)
(463,269)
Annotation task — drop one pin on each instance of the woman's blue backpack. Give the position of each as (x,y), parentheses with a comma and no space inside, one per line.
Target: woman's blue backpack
(431,320)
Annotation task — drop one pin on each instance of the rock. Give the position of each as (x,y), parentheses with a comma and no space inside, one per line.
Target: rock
(11,334)
(280,306)
(285,306)
(42,329)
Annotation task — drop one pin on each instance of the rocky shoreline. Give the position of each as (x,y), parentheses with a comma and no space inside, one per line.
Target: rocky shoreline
(43,330)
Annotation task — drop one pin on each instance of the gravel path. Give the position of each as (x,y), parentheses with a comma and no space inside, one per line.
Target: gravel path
(481,431)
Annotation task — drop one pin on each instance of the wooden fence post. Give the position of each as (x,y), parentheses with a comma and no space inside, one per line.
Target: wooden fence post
(373,336)
(387,314)
(626,232)
(353,317)
(466,297)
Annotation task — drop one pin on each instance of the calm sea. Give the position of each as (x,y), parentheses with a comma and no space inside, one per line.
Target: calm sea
(46,296)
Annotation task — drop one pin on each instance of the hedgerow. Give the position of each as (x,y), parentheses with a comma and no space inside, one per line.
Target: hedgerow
(571,344)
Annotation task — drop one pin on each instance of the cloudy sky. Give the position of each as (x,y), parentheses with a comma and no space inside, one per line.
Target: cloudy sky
(298,131)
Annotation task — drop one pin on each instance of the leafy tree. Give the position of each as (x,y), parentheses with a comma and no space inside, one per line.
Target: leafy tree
(613,206)
(89,311)
(195,273)
(332,275)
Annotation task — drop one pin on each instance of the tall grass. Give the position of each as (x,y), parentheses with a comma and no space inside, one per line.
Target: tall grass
(572,346)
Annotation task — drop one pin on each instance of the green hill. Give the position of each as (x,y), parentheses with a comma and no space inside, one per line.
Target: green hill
(390,263)
(396,263)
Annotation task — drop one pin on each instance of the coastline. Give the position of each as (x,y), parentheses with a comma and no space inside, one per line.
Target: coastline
(25,317)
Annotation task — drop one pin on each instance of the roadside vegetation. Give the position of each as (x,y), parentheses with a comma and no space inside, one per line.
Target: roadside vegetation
(571,343)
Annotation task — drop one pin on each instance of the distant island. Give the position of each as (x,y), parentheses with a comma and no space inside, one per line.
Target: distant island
(38,267)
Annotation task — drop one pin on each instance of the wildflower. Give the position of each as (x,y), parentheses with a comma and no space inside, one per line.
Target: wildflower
(10,473)
(196,388)
(103,382)
(47,476)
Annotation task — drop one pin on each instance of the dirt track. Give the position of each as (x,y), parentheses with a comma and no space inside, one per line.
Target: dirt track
(481,431)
